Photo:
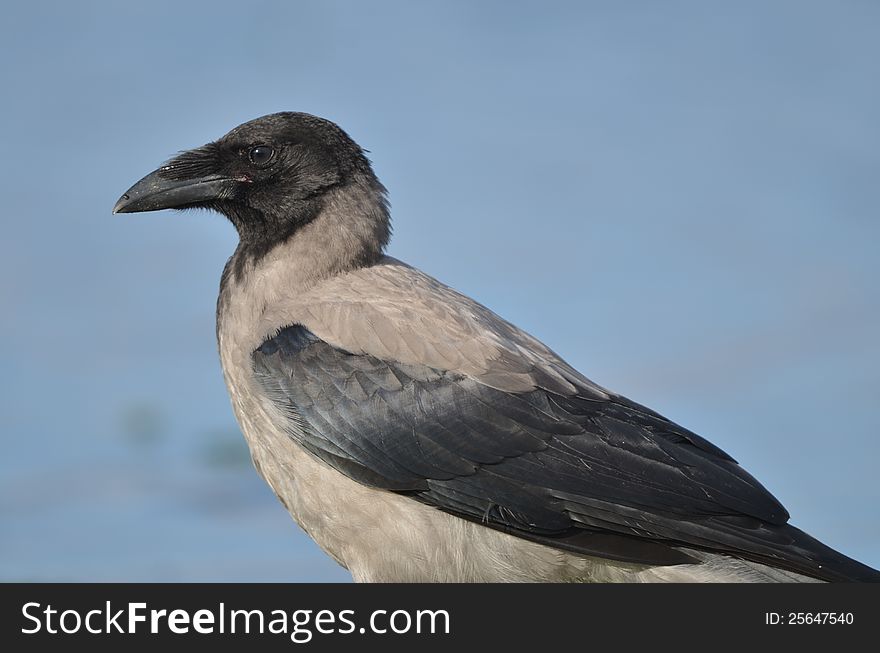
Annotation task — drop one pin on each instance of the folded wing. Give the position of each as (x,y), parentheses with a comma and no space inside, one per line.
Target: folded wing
(599,475)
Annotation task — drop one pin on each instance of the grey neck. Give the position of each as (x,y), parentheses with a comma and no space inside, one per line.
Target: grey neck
(350,231)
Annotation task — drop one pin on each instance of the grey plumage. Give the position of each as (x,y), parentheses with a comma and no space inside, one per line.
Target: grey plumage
(416,435)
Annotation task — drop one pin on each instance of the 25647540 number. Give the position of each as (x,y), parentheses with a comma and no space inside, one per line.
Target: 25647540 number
(808,618)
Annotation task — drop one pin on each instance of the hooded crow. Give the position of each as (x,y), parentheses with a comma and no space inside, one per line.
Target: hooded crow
(414,434)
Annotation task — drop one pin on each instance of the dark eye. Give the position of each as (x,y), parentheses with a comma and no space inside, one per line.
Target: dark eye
(260,155)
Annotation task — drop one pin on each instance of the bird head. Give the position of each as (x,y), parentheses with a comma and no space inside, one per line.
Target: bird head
(269,176)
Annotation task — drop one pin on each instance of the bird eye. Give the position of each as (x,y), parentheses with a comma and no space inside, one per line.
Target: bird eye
(260,155)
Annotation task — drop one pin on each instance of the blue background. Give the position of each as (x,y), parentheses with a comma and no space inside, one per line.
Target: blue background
(680,198)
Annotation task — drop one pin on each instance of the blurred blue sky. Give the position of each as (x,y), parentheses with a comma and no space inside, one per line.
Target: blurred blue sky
(681,198)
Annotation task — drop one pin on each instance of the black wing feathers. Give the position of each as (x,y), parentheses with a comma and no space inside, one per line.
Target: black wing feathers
(604,477)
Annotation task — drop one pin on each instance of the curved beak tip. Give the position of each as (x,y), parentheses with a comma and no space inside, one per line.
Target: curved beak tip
(121,203)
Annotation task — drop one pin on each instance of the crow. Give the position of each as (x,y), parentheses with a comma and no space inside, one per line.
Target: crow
(414,434)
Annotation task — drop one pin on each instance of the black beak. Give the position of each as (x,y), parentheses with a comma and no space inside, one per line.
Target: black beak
(157,191)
